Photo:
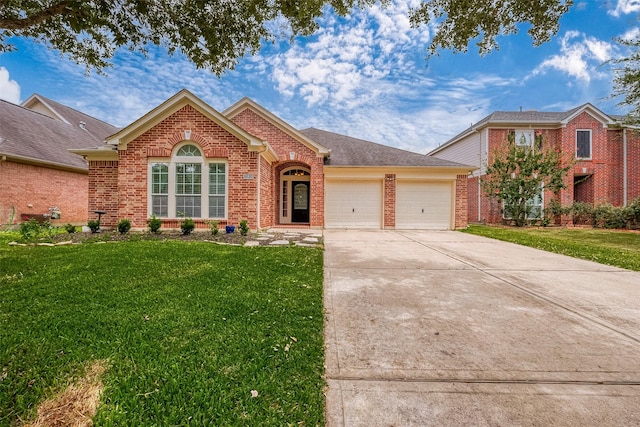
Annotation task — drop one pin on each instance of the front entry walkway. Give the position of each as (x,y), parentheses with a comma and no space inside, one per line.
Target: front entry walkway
(445,328)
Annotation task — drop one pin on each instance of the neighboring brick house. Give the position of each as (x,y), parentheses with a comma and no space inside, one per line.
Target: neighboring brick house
(606,154)
(36,170)
(184,158)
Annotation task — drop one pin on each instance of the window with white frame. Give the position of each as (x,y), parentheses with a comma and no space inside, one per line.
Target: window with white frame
(524,137)
(583,144)
(535,206)
(188,185)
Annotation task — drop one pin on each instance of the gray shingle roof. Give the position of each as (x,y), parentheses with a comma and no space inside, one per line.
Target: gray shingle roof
(30,135)
(348,151)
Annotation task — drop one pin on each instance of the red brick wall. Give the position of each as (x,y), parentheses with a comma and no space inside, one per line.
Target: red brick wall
(159,142)
(472,200)
(283,144)
(605,160)
(389,201)
(34,189)
(103,191)
(461,201)
(605,166)
(267,199)
(633,165)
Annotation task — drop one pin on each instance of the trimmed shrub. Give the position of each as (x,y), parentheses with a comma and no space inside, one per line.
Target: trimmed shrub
(187,225)
(244,228)
(124,226)
(154,224)
(70,228)
(213,226)
(94,225)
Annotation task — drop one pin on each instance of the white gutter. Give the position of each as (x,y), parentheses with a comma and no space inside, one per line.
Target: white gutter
(624,167)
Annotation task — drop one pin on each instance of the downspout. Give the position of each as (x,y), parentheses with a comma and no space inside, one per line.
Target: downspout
(479,180)
(624,167)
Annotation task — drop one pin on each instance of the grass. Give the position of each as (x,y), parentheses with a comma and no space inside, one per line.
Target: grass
(188,330)
(616,248)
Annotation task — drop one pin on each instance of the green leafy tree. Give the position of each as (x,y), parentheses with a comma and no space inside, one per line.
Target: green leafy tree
(626,81)
(518,174)
(215,34)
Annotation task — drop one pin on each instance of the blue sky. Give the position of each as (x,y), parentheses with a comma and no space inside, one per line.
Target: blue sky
(364,75)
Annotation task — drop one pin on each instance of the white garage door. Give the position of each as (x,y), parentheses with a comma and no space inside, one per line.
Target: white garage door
(353,204)
(423,205)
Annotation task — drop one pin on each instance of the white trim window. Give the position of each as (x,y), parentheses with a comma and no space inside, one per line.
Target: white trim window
(524,137)
(583,144)
(188,185)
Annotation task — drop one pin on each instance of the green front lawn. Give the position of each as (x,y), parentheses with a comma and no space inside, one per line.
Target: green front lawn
(188,330)
(617,248)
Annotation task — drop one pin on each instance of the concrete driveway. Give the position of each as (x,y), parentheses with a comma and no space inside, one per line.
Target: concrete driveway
(446,328)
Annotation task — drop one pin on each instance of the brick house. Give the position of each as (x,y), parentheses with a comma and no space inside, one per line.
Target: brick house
(606,153)
(184,158)
(36,170)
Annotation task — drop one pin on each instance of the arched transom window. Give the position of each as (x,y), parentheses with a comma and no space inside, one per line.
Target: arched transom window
(188,185)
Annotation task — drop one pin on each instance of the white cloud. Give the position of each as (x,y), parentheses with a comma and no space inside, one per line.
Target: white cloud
(625,7)
(9,89)
(631,34)
(579,56)
(338,66)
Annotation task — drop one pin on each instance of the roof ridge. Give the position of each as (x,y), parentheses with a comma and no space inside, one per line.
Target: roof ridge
(31,111)
(363,140)
(49,100)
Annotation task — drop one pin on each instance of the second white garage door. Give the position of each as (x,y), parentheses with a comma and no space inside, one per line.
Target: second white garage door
(353,204)
(423,205)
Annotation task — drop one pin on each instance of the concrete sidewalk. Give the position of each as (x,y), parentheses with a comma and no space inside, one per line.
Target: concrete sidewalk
(446,328)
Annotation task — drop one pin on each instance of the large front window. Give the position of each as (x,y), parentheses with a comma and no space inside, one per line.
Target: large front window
(188,186)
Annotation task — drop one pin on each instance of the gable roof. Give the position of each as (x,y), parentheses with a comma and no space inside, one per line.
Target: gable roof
(348,151)
(526,118)
(247,103)
(95,127)
(173,104)
(31,137)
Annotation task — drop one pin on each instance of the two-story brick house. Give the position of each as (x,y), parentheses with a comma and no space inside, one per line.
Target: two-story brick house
(185,159)
(606,154)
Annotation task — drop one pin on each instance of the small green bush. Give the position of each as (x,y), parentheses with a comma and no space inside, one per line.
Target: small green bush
(70,228)
(154,224)
(608,216)
(581,213)
(244,228)
(124,226)
(30,230)
(187,225)
(94,225)
(213,226)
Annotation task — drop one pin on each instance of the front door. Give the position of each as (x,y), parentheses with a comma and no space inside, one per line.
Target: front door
(300,208)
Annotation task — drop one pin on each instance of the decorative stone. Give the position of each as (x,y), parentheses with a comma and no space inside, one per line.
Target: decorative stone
(263,239)
(310,240)
(251,243)
(280,243)
(68,242)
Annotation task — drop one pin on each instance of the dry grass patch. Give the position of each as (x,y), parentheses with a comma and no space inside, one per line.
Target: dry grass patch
(77,405)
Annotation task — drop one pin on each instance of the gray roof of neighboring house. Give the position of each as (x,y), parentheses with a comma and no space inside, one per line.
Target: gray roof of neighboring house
(348,151)
(31,136)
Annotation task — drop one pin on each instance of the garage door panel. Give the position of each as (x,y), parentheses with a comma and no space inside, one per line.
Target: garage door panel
(353,204)
(423,205)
